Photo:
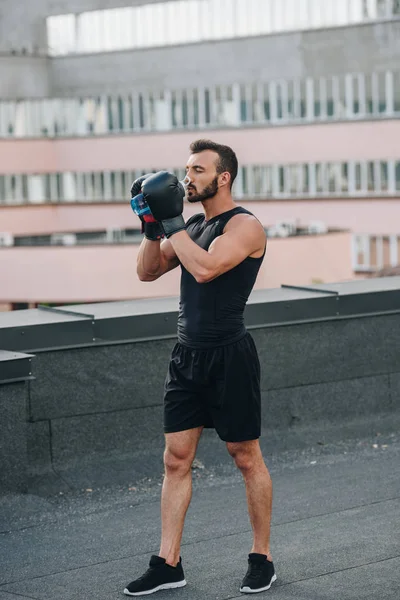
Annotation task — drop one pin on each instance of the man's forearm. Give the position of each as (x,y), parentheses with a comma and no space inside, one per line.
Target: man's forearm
(197,261)
(148,260)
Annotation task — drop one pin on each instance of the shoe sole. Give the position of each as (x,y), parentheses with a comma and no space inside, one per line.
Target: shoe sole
(163,586)
(247,590)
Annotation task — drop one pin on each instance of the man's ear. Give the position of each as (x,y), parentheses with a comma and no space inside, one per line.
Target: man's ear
(224,178)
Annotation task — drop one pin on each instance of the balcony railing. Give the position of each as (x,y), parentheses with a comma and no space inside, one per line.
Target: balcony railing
(378,178)
(349,97)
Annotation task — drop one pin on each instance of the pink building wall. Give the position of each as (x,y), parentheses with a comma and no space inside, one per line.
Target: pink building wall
(377,216)
(107,273)
(286,144)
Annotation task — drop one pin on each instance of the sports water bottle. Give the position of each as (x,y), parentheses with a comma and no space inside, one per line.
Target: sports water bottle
(140,206)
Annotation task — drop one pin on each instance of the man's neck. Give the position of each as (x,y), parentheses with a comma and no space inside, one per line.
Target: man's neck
(216,206)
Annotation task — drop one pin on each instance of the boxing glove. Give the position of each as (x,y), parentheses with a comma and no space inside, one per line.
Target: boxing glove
(164,194)
(150,227)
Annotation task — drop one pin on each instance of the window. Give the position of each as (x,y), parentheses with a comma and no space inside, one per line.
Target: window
(397,176)
(369,95)
(227,107)
(246,103)
(260,105)
(282,100)
(378,92)
(321,178)
(244,180)
(207,107)
(361,252)
(321,102)
(305,179)
(334,178)
(396,91)
(295,110)
(357,177)
(281,180)
(155,24)
(344,177)
(395,7)
(293,180)
(384,176)
(371,181)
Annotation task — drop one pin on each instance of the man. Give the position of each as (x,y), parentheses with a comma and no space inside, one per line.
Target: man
(214,374)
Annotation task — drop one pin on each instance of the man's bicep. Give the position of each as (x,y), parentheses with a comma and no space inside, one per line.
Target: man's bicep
(231,248)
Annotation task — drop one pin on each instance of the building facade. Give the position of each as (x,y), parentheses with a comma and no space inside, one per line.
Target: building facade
(96,92)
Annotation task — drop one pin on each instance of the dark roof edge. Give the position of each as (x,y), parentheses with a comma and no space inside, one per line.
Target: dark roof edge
(152,319)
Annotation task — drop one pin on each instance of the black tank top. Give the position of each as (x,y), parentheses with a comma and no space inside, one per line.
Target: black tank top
(211,314)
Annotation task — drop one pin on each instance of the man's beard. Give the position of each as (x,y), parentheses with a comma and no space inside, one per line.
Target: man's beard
(209,192)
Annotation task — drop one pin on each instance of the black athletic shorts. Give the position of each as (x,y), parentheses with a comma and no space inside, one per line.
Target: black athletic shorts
(218,387)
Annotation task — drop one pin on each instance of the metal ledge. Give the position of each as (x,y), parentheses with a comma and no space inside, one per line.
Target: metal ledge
(15,367)
(137,320)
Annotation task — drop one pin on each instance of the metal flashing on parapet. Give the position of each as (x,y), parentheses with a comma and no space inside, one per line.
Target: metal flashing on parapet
(310,289)
(131,321)
(17,380)
(64,311)
(15,367)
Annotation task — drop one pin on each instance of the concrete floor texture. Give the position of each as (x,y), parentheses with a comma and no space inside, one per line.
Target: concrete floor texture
(335,531)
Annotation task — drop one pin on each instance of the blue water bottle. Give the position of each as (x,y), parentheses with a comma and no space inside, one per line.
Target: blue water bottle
(140,206)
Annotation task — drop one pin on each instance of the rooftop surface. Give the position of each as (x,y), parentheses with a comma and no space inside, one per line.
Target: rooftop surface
(335,533)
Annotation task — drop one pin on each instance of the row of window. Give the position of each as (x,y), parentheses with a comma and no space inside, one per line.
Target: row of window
(374,178)
(374,252)
(344,97)
(185,21)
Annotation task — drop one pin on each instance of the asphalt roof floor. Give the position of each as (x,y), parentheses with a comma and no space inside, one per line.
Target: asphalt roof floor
(335,532)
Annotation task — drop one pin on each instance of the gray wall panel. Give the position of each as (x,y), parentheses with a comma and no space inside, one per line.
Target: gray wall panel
(329,351)
(102,379)
(24,77)
(75,438)
(394,379)
(39,447)
(338,402)
(13,444)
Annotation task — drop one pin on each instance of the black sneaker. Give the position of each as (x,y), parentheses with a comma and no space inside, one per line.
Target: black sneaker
(159,576)
(260,574)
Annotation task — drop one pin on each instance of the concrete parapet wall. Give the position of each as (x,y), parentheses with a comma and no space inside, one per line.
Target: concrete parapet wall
(109,399)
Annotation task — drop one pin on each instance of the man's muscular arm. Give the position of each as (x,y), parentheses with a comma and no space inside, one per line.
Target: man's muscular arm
(243,237)
(154,259)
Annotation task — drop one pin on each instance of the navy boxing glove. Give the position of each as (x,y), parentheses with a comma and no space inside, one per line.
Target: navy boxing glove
(164,194)
(150,227)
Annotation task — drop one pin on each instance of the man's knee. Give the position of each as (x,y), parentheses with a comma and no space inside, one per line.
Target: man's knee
(245,454)
(178,458)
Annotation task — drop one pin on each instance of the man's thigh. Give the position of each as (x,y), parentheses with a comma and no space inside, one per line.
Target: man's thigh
(182,445)
(184,406)
(236,408)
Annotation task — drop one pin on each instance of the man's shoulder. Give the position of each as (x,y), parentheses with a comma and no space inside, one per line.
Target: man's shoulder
(195,219)
(242,217)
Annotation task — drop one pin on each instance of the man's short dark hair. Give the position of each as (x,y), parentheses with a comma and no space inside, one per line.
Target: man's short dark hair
(227,158)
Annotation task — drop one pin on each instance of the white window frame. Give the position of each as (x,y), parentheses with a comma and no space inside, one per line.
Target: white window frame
(393,250)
